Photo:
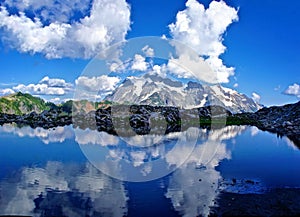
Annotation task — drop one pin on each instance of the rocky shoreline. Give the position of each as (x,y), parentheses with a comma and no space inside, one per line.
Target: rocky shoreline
(282,120)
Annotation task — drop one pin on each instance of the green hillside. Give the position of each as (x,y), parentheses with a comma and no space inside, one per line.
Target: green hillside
(22,103)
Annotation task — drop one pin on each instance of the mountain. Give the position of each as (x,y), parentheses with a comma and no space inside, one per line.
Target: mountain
(23,103)
(155,90)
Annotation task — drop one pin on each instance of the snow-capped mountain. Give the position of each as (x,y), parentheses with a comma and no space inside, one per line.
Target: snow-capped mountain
(155,90)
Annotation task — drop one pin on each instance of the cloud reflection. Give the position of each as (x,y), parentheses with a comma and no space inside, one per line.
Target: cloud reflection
(193,187)
(57,134)
(60,189)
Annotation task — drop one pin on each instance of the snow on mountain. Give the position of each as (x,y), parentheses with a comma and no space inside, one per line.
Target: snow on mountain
(156,90)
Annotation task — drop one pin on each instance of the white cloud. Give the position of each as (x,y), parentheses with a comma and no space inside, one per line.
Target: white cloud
(255,97)
(103,83)
(190,67)
(293,90)
(55,100)
(6,91)
(160,70)
(202,30)
(118,66)
(222,72)
(55,82)
(107,23)
(139,63)
(39,89)
(148,51)
(235,85)
(49,10)
(46,86)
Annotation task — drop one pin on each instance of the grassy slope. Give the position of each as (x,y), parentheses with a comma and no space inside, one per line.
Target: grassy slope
(20,103)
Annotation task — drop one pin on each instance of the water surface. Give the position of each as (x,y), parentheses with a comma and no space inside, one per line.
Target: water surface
(75,172)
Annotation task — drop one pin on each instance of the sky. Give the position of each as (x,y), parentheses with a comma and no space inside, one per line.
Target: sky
(253,46)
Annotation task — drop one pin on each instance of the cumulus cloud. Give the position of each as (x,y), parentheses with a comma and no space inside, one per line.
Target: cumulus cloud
(46,86)
(187,66)
(160,70)
(148,51)
(55,82)
(202,30)
(106,23)
(255,97)
(293,90)
(139,63)
(101,84)
(6,91)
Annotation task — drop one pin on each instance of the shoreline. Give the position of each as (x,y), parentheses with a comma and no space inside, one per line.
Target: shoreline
(283,121)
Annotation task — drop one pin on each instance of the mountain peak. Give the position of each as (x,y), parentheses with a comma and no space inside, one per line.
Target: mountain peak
(151,89)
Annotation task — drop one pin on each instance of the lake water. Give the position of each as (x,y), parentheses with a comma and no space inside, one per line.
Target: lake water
(74,172)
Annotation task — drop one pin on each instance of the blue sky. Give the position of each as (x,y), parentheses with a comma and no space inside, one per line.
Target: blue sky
(262,46)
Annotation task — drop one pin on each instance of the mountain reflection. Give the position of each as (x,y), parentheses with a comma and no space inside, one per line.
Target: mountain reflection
(187,160)
(62,190)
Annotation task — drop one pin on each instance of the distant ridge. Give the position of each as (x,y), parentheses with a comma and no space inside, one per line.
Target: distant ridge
(158,91)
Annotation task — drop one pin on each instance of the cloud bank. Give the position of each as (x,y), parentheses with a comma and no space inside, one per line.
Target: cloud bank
(55,32)
(6,91)
(46,86)
(102,84)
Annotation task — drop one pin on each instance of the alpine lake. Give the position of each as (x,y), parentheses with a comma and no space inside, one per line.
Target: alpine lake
(69,171)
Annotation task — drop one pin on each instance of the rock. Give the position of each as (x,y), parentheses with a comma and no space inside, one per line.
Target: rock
(286,123)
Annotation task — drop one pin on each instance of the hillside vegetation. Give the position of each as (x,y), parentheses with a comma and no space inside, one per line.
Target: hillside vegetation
(23,103)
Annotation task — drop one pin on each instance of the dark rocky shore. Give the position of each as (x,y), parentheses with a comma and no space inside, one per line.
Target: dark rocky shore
(282,120)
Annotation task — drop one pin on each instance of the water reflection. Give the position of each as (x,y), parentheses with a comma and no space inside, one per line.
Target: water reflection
(148,157)
(93,137)
(62,190)
(57,134)
(193,188)
(192,158)
(140,158)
